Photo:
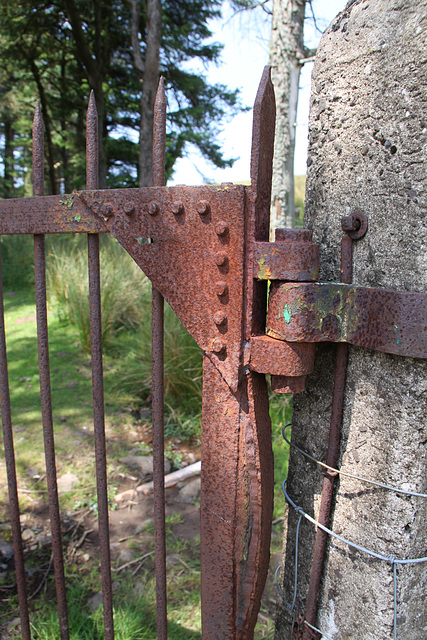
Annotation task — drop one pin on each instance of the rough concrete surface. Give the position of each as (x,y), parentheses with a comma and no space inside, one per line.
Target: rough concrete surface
(368,151)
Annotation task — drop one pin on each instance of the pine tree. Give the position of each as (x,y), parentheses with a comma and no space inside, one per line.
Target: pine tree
(59,51)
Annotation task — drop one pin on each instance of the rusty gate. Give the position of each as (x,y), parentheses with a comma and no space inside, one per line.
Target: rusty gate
(206,251)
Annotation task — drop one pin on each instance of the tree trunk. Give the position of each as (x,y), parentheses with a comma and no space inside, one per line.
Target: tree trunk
(149,73)
(47,127)
(286,52)
(8,184)
(95,65)
(367,151)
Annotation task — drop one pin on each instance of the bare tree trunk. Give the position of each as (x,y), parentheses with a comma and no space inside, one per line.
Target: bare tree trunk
(367,151)
(47,127)
(8,185)
(95,67)
(286,53)
(148,70)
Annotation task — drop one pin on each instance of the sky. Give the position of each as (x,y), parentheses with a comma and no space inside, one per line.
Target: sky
(245,37)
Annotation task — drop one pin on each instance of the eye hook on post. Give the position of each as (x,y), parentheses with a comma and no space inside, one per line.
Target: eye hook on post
(355,225)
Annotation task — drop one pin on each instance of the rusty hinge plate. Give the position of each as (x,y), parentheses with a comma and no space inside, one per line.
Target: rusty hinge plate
(389,321)
(291,261)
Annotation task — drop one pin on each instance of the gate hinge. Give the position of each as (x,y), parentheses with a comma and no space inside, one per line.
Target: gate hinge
(302,312)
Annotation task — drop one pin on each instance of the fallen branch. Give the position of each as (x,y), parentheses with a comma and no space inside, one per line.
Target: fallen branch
(129,564)
(170,481)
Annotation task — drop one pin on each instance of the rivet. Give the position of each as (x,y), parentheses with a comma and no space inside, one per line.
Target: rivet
(203,207)
(219,318)
(221,288)
(177,208)
(220,258)
(221,228)
(153,208)
(218,346)
(106,210)
(129,208)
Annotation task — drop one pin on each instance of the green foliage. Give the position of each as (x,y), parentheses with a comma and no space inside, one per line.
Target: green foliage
(134,612)
(280,414)
(17,262)
(41,59)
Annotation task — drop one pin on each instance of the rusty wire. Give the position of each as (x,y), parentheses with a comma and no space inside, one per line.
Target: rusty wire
(9,455)
(349,475)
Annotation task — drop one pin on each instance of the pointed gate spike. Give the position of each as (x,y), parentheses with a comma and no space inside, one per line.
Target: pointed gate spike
(159,136)
(92,181)
(263,128)
(38,152)
(158,180)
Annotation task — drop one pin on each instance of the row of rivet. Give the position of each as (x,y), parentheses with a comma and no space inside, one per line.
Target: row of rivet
(221,289)
(203,208)
(221,228)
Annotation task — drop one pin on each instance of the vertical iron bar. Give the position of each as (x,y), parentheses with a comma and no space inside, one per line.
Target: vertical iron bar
(157,339)
(11,476)
(331,458)
(97,376)
(45,388)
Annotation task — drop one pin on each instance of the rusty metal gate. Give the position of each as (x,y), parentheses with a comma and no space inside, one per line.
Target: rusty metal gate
(206,251)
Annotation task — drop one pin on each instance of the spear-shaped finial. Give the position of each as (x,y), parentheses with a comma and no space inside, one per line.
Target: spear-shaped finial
(92,180)
(159,136)
(264,118)
(38,152)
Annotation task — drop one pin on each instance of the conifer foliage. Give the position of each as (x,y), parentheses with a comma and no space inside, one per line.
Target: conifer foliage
(56,51)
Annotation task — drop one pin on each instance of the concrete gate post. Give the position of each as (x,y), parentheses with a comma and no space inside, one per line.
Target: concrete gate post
(367,151)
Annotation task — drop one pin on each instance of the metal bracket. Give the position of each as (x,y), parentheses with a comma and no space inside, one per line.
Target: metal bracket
(190,242)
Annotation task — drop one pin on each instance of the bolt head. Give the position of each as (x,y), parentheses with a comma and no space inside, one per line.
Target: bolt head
(218,345)
(220,318)
(129,208)
(107,210)
(221,288)
(177,208)
(221,228)
(203,207)
(220,258)
(153,208)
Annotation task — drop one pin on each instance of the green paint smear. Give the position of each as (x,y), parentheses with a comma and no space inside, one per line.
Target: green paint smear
(287,314)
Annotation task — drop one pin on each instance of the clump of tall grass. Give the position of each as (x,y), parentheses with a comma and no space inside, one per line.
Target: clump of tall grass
(182,373)
(124,288)
(126,330)
(17,262)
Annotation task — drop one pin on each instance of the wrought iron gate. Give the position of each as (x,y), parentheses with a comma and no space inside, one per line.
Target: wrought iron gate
(206,251)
